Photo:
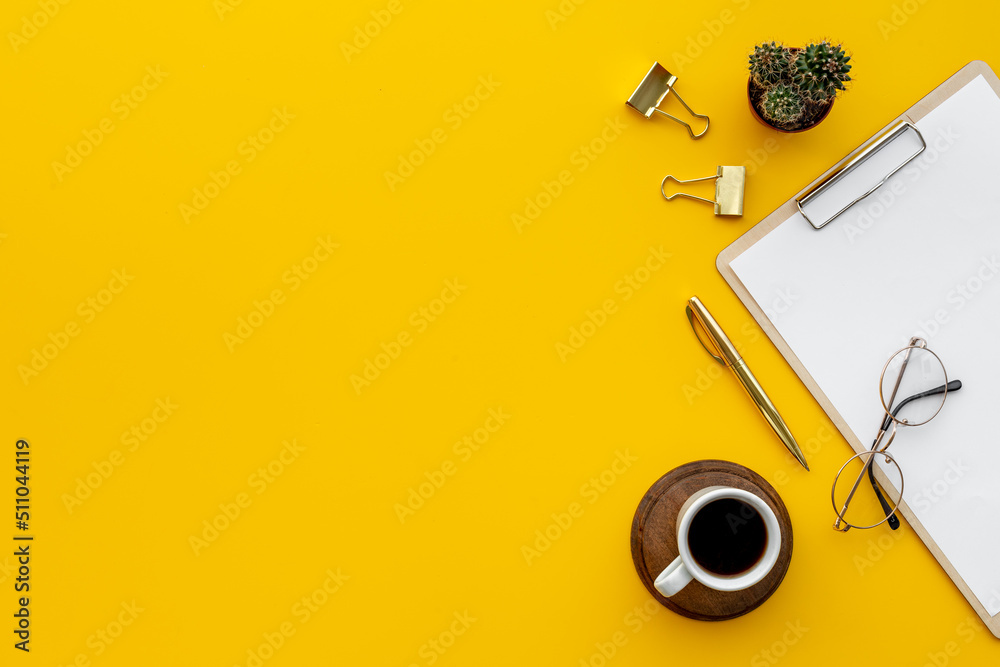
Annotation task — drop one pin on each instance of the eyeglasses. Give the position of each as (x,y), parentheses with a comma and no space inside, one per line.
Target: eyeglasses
(916,373)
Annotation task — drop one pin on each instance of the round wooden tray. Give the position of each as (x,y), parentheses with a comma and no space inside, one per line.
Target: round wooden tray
(654,539)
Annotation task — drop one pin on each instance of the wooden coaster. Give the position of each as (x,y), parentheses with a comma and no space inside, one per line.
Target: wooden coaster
(654,539)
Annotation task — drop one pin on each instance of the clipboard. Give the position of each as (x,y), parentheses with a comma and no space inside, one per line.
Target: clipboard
(735,262)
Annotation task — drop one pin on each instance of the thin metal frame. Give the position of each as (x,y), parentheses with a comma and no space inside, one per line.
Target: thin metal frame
(842,524)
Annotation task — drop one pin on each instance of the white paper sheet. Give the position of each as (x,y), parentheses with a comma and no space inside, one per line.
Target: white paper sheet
(921,257)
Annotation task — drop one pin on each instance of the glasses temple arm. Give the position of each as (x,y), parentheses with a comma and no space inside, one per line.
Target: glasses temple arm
(954,385)
(890,515)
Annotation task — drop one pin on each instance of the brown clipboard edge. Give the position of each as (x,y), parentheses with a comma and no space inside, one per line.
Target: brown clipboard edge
(926,104)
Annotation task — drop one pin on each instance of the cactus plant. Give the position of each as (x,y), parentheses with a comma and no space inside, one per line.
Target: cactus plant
(821,70)
(783,105)
(769,63)
(792,88)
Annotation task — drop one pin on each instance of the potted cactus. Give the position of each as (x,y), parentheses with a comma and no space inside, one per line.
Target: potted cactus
(792,89)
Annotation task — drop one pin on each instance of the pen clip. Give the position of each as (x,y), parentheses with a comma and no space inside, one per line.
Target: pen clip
(697,335)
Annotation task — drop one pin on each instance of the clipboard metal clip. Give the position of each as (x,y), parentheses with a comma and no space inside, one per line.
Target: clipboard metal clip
(729,185)
(845,166)
(650,93)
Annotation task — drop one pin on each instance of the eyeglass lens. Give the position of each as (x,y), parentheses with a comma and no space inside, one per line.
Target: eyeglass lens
(864,508)
(911,386)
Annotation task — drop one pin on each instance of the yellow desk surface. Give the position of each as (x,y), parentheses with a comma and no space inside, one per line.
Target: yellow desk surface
(295,321)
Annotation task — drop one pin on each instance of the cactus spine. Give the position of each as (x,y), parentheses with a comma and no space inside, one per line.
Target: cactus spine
(821,70)
(783,105)
(768,63)
(795,87)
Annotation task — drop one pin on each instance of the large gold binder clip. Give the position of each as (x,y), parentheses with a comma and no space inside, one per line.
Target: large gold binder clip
(654,87)
(729,184)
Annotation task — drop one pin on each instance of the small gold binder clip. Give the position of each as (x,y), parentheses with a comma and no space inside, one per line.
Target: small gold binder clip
(654,87)
(729,183)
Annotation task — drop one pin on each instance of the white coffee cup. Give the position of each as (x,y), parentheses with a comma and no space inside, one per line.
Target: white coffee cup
(685,568)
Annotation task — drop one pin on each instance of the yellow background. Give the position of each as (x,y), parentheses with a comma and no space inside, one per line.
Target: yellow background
(630,388)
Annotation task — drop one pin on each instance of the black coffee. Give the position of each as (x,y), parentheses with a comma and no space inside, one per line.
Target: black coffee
(727,536)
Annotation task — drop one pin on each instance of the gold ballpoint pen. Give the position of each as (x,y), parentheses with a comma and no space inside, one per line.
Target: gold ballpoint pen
(728,356)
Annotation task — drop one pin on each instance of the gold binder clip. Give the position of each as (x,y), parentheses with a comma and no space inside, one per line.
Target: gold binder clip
(654,87)
(729,183)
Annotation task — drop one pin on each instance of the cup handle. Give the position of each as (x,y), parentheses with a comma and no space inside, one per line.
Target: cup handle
(675,577)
